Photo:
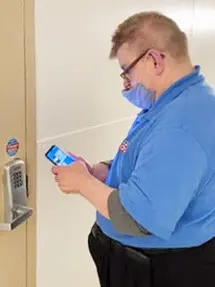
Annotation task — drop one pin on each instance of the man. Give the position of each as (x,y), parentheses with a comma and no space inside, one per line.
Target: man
(156,206)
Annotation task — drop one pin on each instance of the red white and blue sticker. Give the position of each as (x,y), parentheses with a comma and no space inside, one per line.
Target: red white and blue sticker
(124,146)
(12,147)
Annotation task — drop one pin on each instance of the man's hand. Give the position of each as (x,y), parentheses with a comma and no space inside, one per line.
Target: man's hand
(100,171)
(71,179)
(77,179)
(81,159)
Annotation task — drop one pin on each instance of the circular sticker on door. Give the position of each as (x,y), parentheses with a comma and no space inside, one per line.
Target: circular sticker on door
(12,147)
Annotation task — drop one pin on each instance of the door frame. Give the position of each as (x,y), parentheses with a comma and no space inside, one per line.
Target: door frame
(31,159)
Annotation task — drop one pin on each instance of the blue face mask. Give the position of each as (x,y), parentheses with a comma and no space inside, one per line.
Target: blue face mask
(140,97)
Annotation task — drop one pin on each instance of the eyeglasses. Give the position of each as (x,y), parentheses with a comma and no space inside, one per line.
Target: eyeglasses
(132,65)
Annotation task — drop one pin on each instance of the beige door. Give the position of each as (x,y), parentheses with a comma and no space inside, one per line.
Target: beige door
(17,120)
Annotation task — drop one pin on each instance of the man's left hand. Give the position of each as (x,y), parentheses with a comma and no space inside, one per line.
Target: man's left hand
(71,179)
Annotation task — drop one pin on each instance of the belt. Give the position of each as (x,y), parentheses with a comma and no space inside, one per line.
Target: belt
(97,233)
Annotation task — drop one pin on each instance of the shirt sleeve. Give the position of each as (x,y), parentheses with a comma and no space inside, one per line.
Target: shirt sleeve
(168,172)
(122,220)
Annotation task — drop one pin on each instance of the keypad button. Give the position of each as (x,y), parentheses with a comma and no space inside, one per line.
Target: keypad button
(17,179)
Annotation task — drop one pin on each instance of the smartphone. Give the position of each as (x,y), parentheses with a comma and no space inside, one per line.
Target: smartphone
(58,157)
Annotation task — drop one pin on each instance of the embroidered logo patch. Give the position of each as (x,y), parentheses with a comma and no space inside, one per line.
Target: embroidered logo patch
(124,146)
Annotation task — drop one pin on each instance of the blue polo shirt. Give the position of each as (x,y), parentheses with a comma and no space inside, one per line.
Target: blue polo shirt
(165,169)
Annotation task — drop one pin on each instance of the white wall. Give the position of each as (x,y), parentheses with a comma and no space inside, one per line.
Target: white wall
(80,108)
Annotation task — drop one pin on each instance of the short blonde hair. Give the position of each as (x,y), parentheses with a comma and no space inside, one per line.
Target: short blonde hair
(151,30)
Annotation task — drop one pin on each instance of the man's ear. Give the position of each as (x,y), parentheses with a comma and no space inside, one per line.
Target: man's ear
(158,60)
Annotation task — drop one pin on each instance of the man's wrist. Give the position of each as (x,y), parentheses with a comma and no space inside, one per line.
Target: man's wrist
(97,193)
(87,184)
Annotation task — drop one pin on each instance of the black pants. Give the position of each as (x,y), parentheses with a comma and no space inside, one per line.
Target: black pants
(120,266)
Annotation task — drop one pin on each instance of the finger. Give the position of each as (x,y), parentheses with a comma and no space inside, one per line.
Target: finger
(82,160)
(54,170)
(79,158)
(74,156)
(89,167)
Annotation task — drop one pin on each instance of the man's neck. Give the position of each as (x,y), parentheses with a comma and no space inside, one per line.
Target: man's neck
(176,73)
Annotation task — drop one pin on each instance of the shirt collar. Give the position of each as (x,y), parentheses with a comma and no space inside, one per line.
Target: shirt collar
(174,91)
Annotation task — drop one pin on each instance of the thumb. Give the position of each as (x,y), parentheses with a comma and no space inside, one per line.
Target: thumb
(72,155)
(81,159)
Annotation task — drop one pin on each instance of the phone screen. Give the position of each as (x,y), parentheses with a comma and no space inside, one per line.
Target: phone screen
(59,157)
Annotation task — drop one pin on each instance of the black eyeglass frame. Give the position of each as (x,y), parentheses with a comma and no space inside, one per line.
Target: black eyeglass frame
(132,65)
